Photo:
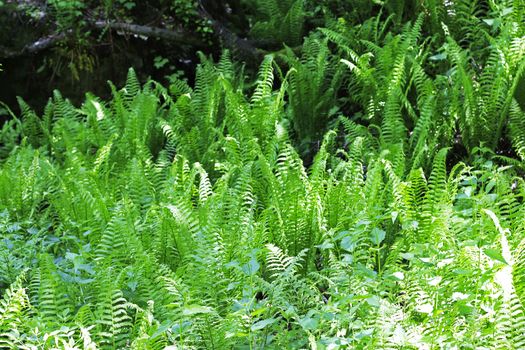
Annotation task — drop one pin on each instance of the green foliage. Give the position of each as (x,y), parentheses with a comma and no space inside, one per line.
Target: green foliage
(184,217)
(67,12)
(280,21)
(314,80)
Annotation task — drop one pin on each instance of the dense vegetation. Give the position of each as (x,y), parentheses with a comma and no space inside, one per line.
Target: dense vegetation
(365,190)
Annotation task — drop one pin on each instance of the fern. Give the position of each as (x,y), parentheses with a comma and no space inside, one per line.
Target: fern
(185,217)
(14,307)
(281,21)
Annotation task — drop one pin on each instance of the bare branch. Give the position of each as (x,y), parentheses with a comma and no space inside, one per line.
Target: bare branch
(149,32)
(134,29)
(39,45)
(242,47)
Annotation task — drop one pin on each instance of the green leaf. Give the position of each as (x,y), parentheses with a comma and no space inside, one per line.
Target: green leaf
(308,323)
(373,301)
(348,244)
(438,57)
(251,267)
(377,236)
(129,5)
(262,324)
(325,245)
(495,255)
(196,309)
(394,216)
(159,62)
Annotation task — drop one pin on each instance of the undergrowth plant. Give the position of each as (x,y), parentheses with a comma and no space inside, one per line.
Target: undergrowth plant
(184,217)
(280,22)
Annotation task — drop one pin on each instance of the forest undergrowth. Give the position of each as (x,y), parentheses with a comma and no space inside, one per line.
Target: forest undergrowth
(355,194)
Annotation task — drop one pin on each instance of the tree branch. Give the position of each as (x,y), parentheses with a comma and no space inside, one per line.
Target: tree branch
(149,32)
(242,47)
(39,45)
(134,29)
